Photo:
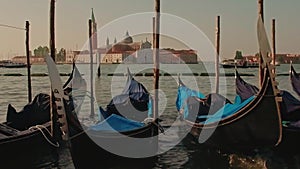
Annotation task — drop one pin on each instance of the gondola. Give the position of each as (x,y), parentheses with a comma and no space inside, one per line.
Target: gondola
(115,130)
(244,129)
(25,139)
(290,112)
(240,126)
(295,80)
(289,106)
(88,143)
(291,127)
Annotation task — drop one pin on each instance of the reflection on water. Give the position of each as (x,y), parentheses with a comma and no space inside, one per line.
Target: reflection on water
(187,153)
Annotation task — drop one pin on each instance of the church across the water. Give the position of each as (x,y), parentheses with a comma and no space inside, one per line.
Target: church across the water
(129,51)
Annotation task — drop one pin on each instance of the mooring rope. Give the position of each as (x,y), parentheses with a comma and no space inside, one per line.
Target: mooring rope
(40,128)
(150,119)
(9,26)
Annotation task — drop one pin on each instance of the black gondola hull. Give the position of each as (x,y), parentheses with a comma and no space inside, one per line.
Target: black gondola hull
(86,153)
(27,150)
(257,125)
(290,143)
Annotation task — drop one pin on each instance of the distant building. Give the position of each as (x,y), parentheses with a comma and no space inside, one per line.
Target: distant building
(33,59)
(183,56)
(84,57)
(128,51)
(280,58)
(288,58)
(112,57)
(167,56)
(71,55)
(118,52)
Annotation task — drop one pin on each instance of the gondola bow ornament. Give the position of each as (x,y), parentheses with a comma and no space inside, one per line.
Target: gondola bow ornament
(58,94)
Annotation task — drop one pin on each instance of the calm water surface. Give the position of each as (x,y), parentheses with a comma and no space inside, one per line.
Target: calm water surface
(187,154)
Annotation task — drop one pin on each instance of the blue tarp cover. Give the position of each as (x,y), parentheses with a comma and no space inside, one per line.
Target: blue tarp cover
(116,123)
(227,110)
(134,102)
(183,93)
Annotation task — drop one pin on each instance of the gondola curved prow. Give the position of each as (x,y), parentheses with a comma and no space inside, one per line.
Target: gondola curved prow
(265,50)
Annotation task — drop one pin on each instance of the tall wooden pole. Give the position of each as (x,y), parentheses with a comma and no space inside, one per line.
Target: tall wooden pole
(261,9)
(260,13)
(156,58)
(28,62)
(217,53)
(153,37)
(52,29)
(91,68)
(153,34)
(273,45)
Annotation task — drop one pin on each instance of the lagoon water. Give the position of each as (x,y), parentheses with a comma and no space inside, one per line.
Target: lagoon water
(186,154)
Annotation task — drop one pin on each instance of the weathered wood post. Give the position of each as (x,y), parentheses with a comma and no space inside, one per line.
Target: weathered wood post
(217,44)
(91,68)
(261,9)
(156,58)
(153,34)
(156,34)
(261,13)
(52,29)
(273,45)
(28,62)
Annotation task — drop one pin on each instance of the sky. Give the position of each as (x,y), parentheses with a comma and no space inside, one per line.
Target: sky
(238,23)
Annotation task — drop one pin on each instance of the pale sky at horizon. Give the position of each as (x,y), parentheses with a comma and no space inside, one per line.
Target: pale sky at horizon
(238,22)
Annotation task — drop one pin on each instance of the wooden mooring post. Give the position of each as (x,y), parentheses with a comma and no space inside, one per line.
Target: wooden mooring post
(28,62)
(156,58)
(91,68)
(52,29)
(273,45)
(217,44)
(260,13)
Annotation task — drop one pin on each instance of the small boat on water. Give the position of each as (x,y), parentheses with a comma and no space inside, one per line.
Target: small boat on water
(295,80)
(239,63)
(117,129)
(289,110)
(11,64)
(238,126)
(25,136)
(2,62)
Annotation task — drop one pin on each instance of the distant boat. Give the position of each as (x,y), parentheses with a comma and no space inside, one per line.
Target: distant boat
(3,62)
(239,63)
(11,64)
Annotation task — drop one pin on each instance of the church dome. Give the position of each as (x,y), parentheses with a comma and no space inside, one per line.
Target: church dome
(119,47)
(127,38)
(146,44)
